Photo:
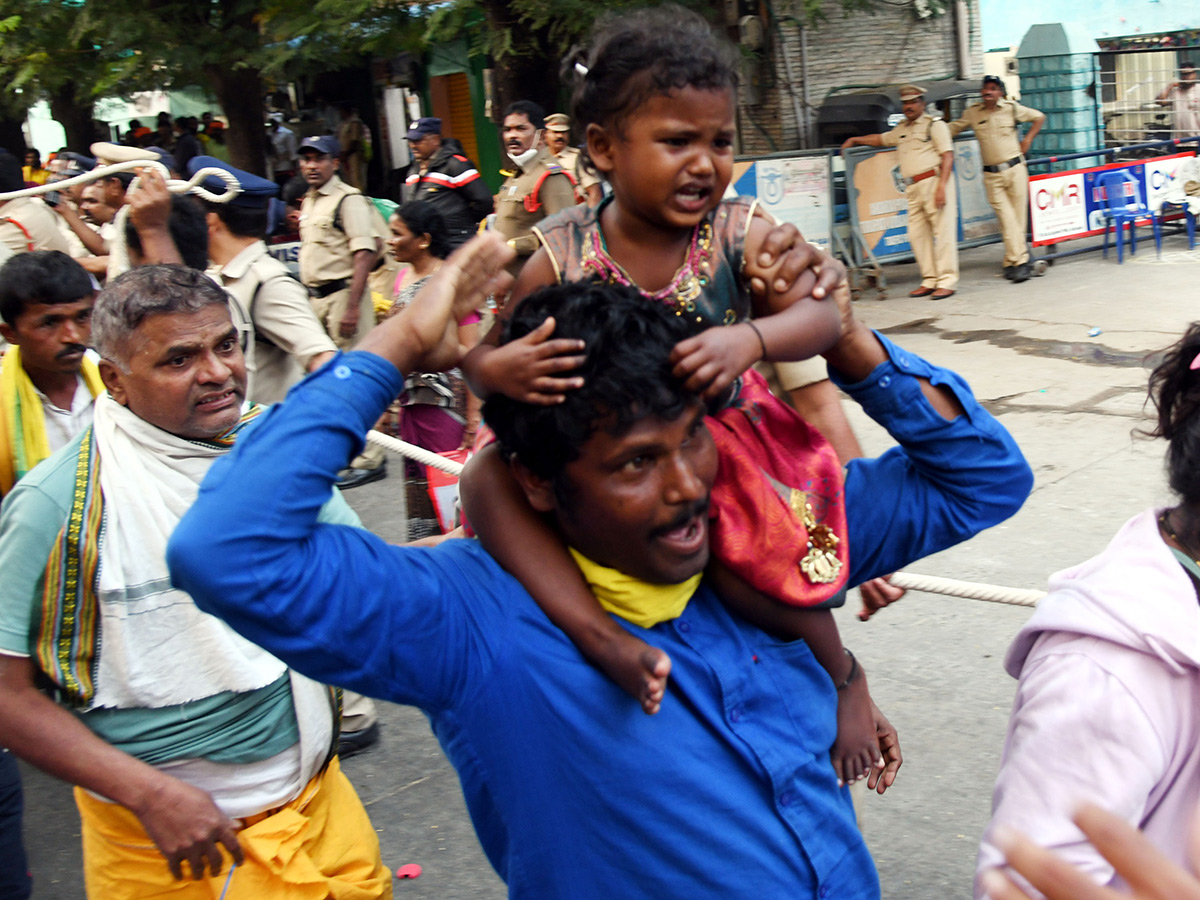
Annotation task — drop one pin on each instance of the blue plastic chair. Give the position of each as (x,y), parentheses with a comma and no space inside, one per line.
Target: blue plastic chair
(1123,203)
(1188,215)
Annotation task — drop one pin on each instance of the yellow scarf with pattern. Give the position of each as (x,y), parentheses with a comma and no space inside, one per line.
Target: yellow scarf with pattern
(23,441)
(640,602)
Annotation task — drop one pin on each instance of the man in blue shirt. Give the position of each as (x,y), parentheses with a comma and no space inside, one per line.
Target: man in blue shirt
(573,791)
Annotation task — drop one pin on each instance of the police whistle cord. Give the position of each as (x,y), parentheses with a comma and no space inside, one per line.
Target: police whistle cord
(193,185)
(930,584)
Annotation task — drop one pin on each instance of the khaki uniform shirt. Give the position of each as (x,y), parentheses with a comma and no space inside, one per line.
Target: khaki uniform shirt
(351,131)
(40,224)
(995,129)
(287,333)
(572,161)
(514,218)
(919,144)
(327,250)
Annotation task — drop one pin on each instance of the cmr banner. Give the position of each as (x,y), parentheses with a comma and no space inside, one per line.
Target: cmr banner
(1069,205)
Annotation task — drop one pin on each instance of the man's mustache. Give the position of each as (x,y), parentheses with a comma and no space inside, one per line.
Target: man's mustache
(70,350)
(694,510)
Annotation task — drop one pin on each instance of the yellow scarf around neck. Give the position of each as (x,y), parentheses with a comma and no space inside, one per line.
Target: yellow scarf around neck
(23,442)
(640,602)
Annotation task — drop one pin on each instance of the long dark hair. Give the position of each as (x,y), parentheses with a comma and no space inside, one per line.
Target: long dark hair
(1175,393)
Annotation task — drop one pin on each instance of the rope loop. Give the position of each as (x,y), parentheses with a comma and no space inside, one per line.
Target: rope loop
(193,185)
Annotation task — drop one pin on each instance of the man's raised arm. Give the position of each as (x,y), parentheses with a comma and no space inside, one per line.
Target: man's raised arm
(332,601)
(956,471)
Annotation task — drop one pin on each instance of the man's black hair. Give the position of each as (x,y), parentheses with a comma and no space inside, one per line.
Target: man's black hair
(11,176)
(42,276)
(188,230)
(242,221)
(626,375)
(125,179)
(294,190)
(530,110)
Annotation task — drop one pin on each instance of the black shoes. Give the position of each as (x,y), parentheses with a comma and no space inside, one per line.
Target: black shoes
(1008,272)
(352,742)
(349,478)
(1023,272)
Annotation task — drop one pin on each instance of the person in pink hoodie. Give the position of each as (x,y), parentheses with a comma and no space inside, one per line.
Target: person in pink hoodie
(1108,705)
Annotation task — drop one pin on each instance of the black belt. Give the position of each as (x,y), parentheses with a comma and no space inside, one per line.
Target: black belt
(1007,164)
(330,287)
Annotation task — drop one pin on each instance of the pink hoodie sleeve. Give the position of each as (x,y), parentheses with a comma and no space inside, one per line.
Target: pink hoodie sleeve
(1076,733)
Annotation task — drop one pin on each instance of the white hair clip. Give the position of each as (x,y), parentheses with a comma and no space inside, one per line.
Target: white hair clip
(581,69)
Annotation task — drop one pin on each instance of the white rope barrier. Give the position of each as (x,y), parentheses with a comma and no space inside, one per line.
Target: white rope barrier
(992,593)
(930,584)
(412,451)
(192,186)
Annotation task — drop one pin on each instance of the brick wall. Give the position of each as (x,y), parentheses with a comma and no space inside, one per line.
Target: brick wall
(888,47)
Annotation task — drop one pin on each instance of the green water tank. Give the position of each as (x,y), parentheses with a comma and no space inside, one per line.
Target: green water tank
(1060,75)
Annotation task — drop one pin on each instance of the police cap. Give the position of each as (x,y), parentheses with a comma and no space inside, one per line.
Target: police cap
(321,143)
(256,192)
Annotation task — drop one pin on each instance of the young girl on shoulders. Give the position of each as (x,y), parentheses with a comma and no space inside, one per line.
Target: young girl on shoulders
(657,97)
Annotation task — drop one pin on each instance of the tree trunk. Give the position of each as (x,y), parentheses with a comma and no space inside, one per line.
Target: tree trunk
(76,118)
(12,135)
(240,93)
(528,72)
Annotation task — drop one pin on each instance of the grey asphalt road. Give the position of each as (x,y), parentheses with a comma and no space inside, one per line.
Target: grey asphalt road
(1073,401)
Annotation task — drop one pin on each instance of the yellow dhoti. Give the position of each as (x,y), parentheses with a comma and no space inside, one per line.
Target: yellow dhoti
(321,845)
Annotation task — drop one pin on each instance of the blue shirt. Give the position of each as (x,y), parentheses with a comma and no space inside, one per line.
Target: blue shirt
(573,791)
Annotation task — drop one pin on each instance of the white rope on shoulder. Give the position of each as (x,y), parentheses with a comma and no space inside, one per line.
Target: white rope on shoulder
(930,584)
(193,185)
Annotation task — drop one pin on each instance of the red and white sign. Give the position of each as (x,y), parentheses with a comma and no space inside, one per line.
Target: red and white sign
(1068,205)
(1057,207)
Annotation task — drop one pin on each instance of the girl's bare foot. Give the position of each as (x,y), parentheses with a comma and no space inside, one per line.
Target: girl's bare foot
(856,749)
(639,669)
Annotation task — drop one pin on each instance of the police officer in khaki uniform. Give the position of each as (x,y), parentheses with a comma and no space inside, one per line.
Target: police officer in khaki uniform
(337,244)
(287,340)
(926,164)
(338,250)
(996,123)
(558,131)
(539,188)
(26,223)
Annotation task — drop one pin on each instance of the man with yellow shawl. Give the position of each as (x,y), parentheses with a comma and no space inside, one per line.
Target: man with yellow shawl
(204,767)
(46,383)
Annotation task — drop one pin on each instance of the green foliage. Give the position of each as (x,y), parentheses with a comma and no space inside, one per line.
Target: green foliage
(105,47)
(557,24)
